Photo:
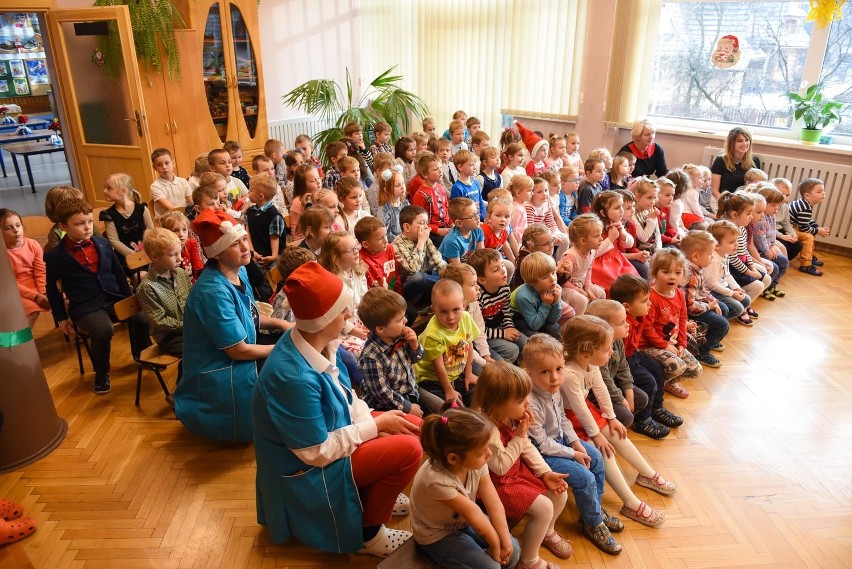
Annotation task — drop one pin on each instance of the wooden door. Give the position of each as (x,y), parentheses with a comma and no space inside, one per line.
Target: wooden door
(101,92)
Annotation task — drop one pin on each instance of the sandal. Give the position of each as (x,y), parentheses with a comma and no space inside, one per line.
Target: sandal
(537,564)
(665,487)
(751,312)
(778,292)
(402,505)
(677,390)
(611,522)
(558,545)
(645,515)
(767,294)
(651,428)
(666,417)
(601,537)
(385,542)
(10,510)
(744,320)
(10,532)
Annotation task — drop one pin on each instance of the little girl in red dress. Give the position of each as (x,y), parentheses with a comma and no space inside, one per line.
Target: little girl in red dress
(523,480)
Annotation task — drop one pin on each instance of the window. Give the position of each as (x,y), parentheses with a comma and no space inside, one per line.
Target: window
(778,52)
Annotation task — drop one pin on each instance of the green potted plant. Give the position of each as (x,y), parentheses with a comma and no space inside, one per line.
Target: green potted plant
(383,100)
(816,112)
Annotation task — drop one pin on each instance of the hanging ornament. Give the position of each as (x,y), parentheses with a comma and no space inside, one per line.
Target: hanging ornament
(727,52)
(823,12)
(98,57)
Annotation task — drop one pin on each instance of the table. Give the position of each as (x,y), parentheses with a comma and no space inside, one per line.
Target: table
(27,149)
(32,123)
(10,137)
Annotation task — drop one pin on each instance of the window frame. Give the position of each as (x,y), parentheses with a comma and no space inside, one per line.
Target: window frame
(811,72)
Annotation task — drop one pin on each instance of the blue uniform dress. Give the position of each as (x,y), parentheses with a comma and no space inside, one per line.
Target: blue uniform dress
(296,406)
(213,397)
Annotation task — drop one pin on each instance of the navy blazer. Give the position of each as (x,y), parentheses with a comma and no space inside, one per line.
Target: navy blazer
(86,291)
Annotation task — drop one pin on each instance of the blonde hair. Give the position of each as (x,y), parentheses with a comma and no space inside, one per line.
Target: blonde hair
(536,266)
(583,335)
(125,182)
(498,384)
(330,254)
(565,173)
(457,271)
(642,185)
(539,345)
(605,309)
(755,175)
(518,183)
(639,127)
(771,194)
(734,202)
(697,242)
(159,241)
(386,187)
(584,226)
(723,228)
(500,194)
(202,165)
(462,157)
(532,232)
(346,163)
(489,209)
(266,185)
(174,219)
(382,161)
(459,206)
(599,154)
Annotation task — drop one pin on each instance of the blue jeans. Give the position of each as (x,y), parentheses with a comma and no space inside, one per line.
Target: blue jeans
(465,549)
(735,307)
(717,328)
(508,350)
(650,377)
(779,266)
(417,291)
(587,484)
(552,329)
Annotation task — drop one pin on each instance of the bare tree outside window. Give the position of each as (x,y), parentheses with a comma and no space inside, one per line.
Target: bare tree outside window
(837,69)
(773,41)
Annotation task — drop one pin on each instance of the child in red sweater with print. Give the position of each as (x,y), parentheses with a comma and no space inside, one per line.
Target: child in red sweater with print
(377,254)
(664,328)
(432,197)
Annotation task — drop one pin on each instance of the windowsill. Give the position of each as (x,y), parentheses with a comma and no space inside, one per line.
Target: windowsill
(762,140)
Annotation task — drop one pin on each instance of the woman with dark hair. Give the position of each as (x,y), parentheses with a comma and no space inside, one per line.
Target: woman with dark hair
(728,169)
(650,158)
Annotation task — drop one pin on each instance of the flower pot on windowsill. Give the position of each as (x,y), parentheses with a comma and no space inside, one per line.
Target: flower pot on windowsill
(810,135)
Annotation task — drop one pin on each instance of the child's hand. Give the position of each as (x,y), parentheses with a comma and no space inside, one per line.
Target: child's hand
(453,395)
(549,297)
(787,238)
(591,295)
(67,328)
(580,456)
(628,399)
(738,294)
(266,261)
(823,231)
(496,554)
(523,425)
(511,334)
(423,236)
(416,410)
(676,240)
(645,256)
(42,301)
(505,551)
(653,213)
(555,481)
(771,254)
(603,445)
(613,232)
(754,274)
(359,331)
(410,337)
(469,381)
(618,428)
(768,264)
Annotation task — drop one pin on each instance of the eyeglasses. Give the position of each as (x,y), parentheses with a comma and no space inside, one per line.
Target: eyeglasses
(474,216)
(352,250)
(574,180)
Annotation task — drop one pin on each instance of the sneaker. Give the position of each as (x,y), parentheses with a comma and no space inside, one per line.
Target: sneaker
(767,294)
(402,505)
(386,542)
(816,262)
(752,313)
(676,389)
(666,417)
(101,384)
(601,537)
(811,270)
(719,347)
(709,360)
(778,292)
(651,428)
(656,483)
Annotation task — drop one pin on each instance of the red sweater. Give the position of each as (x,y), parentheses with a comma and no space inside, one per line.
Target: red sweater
(668,231)
(381,269)
(665,322)
(634,337)
(434,201)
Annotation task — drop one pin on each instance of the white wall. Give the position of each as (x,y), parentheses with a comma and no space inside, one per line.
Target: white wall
(305,39)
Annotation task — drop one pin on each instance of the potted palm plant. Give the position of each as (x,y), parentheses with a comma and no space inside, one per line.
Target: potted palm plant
(816,112)
(383,100)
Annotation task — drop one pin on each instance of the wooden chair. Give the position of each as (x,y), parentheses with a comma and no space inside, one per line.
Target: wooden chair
(99,225)
(147,356)
(273,275)
(137,260)
(37,227)
(81,338)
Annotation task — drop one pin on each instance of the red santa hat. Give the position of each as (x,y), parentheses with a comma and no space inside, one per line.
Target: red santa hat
(316,296)
(531,140)
(733,39)
(217,231)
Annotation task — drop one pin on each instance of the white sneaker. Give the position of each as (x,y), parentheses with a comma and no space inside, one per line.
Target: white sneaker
(386,542)
(402,506)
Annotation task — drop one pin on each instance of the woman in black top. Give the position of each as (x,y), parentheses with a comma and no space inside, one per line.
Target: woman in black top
(728,170)
(650,158)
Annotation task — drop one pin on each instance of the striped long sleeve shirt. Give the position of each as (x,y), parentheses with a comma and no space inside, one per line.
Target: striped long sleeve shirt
(741,260)
(496,311)
(802,215)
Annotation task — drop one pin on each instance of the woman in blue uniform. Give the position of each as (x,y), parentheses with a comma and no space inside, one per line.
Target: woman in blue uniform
(220,326)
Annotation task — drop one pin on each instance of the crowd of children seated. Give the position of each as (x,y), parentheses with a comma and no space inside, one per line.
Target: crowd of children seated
(559,302)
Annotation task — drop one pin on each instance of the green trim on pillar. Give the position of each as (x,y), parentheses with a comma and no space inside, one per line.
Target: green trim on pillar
(16,338)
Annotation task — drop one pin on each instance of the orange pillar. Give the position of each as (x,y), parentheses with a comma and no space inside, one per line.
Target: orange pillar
(31,428)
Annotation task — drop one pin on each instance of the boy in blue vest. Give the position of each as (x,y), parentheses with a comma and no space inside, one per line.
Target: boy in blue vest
(93,281)
(265,225)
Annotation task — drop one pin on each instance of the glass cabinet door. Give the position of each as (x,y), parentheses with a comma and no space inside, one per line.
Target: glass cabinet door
(215,75)
(247,84)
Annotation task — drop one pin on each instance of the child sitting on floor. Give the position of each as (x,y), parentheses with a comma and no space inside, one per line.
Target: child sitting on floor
(584,234)
(537,303)
(524,481)
(551,432)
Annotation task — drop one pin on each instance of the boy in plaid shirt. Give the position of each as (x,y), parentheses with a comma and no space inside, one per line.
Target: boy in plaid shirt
(389,354)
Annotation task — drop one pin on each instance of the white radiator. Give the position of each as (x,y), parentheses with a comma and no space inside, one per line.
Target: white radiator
(288,129)
(835,212)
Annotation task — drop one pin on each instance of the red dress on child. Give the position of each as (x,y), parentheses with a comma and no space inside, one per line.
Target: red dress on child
(519,487)
(609,266)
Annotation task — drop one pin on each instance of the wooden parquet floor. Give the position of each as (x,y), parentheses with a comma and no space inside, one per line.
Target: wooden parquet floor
(763,461)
